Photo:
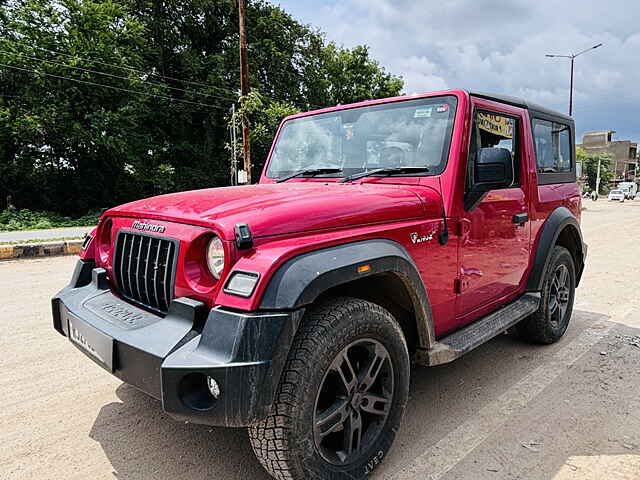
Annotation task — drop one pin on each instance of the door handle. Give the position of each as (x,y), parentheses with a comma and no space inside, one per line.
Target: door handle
(520,218)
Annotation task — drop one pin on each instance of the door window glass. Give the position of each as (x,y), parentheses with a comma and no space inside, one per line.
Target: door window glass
(492,129)
(553,146)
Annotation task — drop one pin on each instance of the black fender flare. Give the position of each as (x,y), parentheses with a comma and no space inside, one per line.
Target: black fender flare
(559,221)
(300,280)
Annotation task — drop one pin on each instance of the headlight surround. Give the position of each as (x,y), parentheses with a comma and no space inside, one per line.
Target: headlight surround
(215,256)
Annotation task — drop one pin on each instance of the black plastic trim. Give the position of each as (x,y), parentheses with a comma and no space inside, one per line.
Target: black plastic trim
(520,102)
(245,352)
(82,273)
(556,222)
(300,280)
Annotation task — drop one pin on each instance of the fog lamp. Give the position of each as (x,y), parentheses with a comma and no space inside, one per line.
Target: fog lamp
(214,388)
(242,283)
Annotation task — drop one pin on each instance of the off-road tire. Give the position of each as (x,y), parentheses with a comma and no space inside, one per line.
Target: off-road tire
(284,442)
(541,326)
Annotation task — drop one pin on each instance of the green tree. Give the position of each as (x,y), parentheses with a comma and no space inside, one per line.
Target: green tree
(265,116)
(105,101)
(589,163)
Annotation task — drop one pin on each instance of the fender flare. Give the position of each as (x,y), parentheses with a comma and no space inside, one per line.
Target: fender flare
(561,219)
(300,280)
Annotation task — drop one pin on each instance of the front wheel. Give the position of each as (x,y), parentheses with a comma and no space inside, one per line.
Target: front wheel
(341,396)
(549,323)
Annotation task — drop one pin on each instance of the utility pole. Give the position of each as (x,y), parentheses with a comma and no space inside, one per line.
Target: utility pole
(598,178)
(573,57)
(244,88)
(234,143)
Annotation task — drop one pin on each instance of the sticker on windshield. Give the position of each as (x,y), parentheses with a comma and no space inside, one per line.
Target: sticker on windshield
(348,130)
(442,108)
(423,112)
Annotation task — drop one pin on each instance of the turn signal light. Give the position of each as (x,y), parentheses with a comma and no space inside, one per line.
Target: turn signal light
(364,268)
(242,283)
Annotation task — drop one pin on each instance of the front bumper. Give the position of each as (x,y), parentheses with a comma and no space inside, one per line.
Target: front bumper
(171,358)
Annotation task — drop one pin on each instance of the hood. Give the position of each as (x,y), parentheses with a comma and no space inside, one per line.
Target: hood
(275,209)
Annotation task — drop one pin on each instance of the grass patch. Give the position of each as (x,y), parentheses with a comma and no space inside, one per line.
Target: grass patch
(40,240)
(15,220)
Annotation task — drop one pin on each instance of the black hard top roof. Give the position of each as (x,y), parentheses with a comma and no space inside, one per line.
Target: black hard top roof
(520,102)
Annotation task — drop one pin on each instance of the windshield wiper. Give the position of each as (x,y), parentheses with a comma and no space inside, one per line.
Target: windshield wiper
(308,171)
(387,170)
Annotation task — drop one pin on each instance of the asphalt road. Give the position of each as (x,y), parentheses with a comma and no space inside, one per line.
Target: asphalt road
(505,411)
(30,235)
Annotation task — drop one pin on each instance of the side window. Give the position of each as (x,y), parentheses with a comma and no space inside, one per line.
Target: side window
(553,146)
(492,129)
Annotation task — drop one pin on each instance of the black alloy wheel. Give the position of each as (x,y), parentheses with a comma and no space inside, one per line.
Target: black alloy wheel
(353,401)
(559,294)
(549,323)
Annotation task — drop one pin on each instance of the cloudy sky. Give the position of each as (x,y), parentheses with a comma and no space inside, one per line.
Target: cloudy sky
(499,46)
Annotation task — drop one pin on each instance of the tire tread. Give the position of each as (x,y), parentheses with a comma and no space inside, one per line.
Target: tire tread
(269,438)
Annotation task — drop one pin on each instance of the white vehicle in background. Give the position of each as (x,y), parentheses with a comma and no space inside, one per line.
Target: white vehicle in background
(630,189)
(617,195)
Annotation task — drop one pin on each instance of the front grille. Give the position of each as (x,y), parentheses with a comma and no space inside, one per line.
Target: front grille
(144,268)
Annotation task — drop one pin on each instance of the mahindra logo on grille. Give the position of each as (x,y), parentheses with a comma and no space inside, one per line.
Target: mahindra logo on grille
(148,227)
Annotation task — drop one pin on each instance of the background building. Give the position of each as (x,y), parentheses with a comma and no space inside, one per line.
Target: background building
(624,152)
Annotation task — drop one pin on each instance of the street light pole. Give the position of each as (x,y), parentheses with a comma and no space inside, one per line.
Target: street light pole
(573,57)
(571,88)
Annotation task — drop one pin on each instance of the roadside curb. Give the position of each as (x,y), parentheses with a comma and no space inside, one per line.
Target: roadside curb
(44,249)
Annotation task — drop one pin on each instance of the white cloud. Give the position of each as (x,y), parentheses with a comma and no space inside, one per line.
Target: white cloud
(498,45)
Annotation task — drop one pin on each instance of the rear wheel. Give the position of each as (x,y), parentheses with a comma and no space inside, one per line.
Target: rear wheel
(551,320)
(341,396)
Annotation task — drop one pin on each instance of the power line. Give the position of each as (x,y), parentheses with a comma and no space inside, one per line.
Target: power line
(86,82)
(136,70)
(116,76)
(131,69)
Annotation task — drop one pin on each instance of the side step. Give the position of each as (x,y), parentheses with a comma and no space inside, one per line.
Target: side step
(475,334)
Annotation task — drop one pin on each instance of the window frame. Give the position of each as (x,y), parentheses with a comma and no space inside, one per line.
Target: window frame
(552,178)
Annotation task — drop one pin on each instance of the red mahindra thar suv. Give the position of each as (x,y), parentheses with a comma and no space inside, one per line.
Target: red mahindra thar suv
(409,229)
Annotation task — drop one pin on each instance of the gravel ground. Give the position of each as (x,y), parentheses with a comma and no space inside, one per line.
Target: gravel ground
(505,411)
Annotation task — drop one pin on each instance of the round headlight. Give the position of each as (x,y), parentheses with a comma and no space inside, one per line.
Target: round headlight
(215,256)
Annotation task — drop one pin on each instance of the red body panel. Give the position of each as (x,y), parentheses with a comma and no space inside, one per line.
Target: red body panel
(487,255)
(277,209)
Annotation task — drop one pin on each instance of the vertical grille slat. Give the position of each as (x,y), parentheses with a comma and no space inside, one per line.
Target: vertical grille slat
(144,268)
(130,255)
(165,283)
(145,276)
(119,276)
(137,275)
(155,276)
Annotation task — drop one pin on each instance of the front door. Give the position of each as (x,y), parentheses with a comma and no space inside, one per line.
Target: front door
(494,246)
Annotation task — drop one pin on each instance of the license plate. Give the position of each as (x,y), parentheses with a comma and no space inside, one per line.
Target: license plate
(91,341)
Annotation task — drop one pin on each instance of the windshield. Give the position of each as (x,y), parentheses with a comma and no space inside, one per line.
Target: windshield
(411,133)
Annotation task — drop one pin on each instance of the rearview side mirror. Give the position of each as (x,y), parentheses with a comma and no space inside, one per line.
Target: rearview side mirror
(493,169)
